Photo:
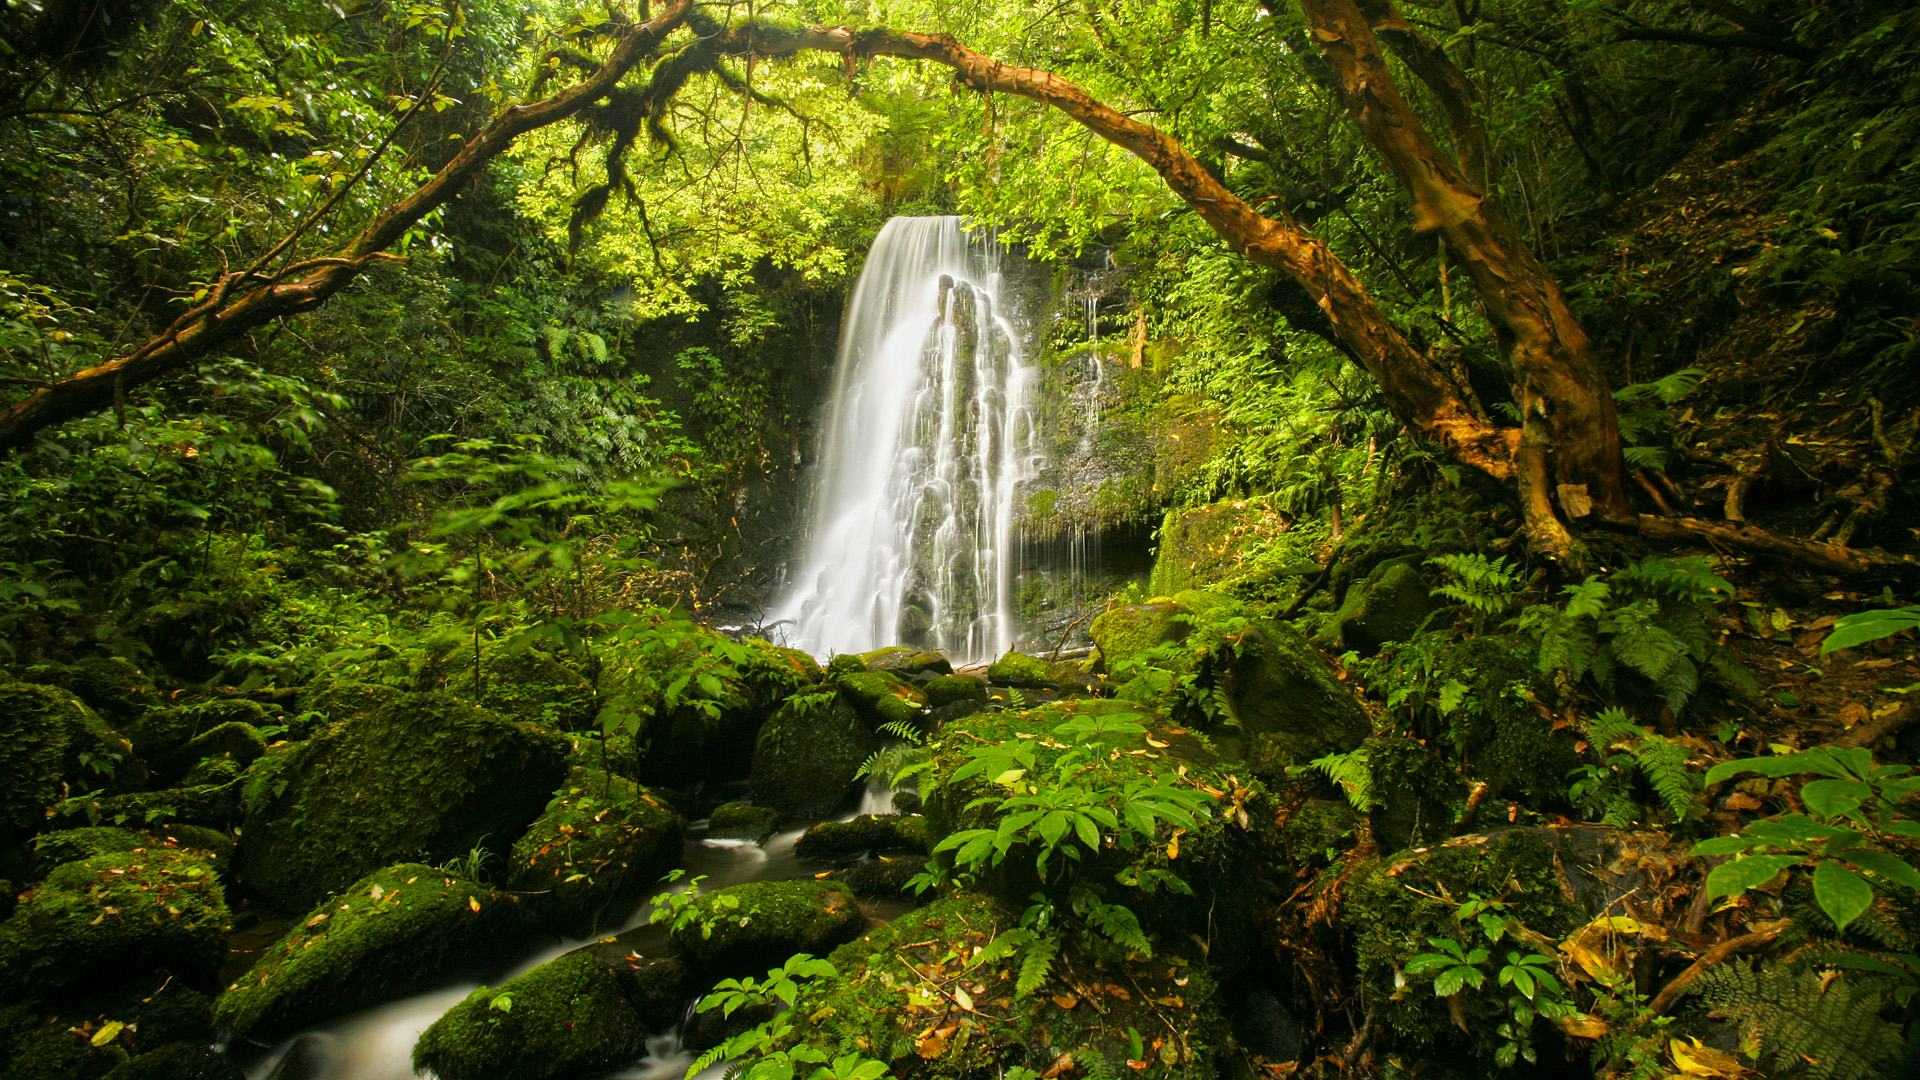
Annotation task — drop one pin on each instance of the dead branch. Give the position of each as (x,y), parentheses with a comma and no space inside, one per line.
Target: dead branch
(1811,555)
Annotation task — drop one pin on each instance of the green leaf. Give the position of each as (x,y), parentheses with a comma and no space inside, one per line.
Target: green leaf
(1841,893)
(1737,876)
(1864,626)
(1891,867)
(1722,845)
(1834,798)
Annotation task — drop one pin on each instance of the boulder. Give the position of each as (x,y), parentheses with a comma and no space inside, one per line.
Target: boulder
(745,929)
(882,878)
(425,776)
(72,845)
(332,701)
(113,686)
(525,684)
(1123,633)
(102,920)
(906,663)
(56,1040)
(35,726)
(160,733)
(1389,605)
(564,1018)
(951,689)
(599,844)
(741,821)
(214,804)
(178,1061)
(882,697)
(1284,698)
(891,833)
(806,756)
(233,741)
(1025,672)
(1415,794)
(399,930)
(1496,728)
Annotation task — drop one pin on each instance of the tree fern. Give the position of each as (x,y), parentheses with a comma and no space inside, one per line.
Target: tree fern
(1804,1020)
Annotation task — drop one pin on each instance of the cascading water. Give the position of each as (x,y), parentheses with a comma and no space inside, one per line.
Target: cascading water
(928,435)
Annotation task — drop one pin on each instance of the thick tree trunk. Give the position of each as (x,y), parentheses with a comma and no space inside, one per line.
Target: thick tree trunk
(239,303)
(1421,393)
(1570,449)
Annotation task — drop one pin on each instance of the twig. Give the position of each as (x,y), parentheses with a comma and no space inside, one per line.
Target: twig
(1670,993)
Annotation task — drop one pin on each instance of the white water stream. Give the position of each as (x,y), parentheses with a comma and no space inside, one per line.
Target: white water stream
(928,435)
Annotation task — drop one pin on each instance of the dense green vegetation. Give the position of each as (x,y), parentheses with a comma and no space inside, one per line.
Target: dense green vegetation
(1501,653)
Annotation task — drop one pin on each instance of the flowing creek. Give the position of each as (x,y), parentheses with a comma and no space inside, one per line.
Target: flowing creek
(377,1043)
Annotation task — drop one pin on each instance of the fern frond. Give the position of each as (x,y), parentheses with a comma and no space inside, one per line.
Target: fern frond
(1821,1026)
(903,730)
(1036,964)
(1350,771)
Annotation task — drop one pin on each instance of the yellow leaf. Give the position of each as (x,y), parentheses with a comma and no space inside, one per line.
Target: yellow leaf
(1694,1059)
(1582,1026)
(472,903)
(1065,1001)
(107,1033)
(377,892)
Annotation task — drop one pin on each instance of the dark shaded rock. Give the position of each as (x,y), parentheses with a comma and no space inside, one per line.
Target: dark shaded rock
(807,754)
(905,662)
(113,686)
(160,733)
(99,921)
(562,1019)
(947,714)
(742,821)
(232,741)
(1290,707)
(708,1029)
(866,833)
(1389,605)
(599,844)
(424,776)
(178,1061)
(882,697)
(396,931)
(745,929)
(1415,795)
(35,726)
(881,879)
(213,804)
(1496,728)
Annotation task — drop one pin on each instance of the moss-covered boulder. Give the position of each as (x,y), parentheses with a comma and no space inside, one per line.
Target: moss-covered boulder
(1204,547)
(97,1034)
(525,684)
(35,725)
(234,740)
(113,685)
(882,697)
(213,804)
(334,700)
(1288,704)
(1416,797)
(562,1019)
(160,733)
(178,1061)
(1025,672)
(745,929)
(905,662)
(742,821)
(892,833)
(72,845)
(117,915)
(425,776)
(399,930)
(952,689)
(1496,727)
(894,988)
(1125,632)
(775,672)
(601,842)
(806,756)
(1389,605)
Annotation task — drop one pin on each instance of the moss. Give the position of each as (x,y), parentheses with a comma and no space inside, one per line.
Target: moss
(806,756)
(1318,830)
(524,684)
(233,741)
(600,842)
(845,664)
(399,930)
(103,919)
(1027,672)
(161,732)
(335,700)
(745,929)
(113,686)
(563,1018)
(1211,545)
(741,821)
(775,671)
(948,689)
(1125,632)
(35,727)
(882,878)
(868,832)
(891,1000)
(1287,703)
(210,804)
(98,756)
(882,697)
(616,753)
(1496,728)
(178,1061)
(906,662)
(424,777)
(1389,605)
(73,845)
(1415,796)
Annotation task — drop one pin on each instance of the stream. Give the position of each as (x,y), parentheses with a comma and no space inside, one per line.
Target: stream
(377,1043)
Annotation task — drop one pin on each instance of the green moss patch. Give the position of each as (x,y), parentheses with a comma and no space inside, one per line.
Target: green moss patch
(891,833)
(600,843)
(425,777)
(745,929)
(948,689)
(882,697)
(1212,545)
(561,1019)
(1125,632)
(906,662)
(1026,672)
(396,931)
(806,756)
(35,724)
(116,915)
(741,821)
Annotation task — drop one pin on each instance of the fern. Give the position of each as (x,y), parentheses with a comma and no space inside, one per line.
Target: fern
(1803,1021)
(1349,770)
(1485,585)
(1036,964)
(1661,761)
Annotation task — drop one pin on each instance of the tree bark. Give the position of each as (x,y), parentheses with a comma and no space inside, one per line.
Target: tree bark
(240,302)
(1420,393)
(1570,447)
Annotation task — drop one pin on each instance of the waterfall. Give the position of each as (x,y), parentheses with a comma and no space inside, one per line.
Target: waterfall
(928,434)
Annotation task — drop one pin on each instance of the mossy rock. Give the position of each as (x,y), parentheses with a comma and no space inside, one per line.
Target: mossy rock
(742,821)
(102,920)
(805,759)
(845,664)
(1226,861)
(564,1018)
(950,689)
(332,701)
(1289,706)
(883,878)
(1024,672)
(905,662)
(882,697)
(160,733)
(890,833)
(1317,831)
(524,684)
(1207,546)
(1388,606)
(599,844)
(1497,730)
(1125,632)
(36,724)
(616,753)
(178,1061)
(880,1001)
(777,672)
(214,804)
(425,777)
(399,930)
(746,929)
(55,1040)
(72,845)
(1416,797)
(233,741)
(113,686)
